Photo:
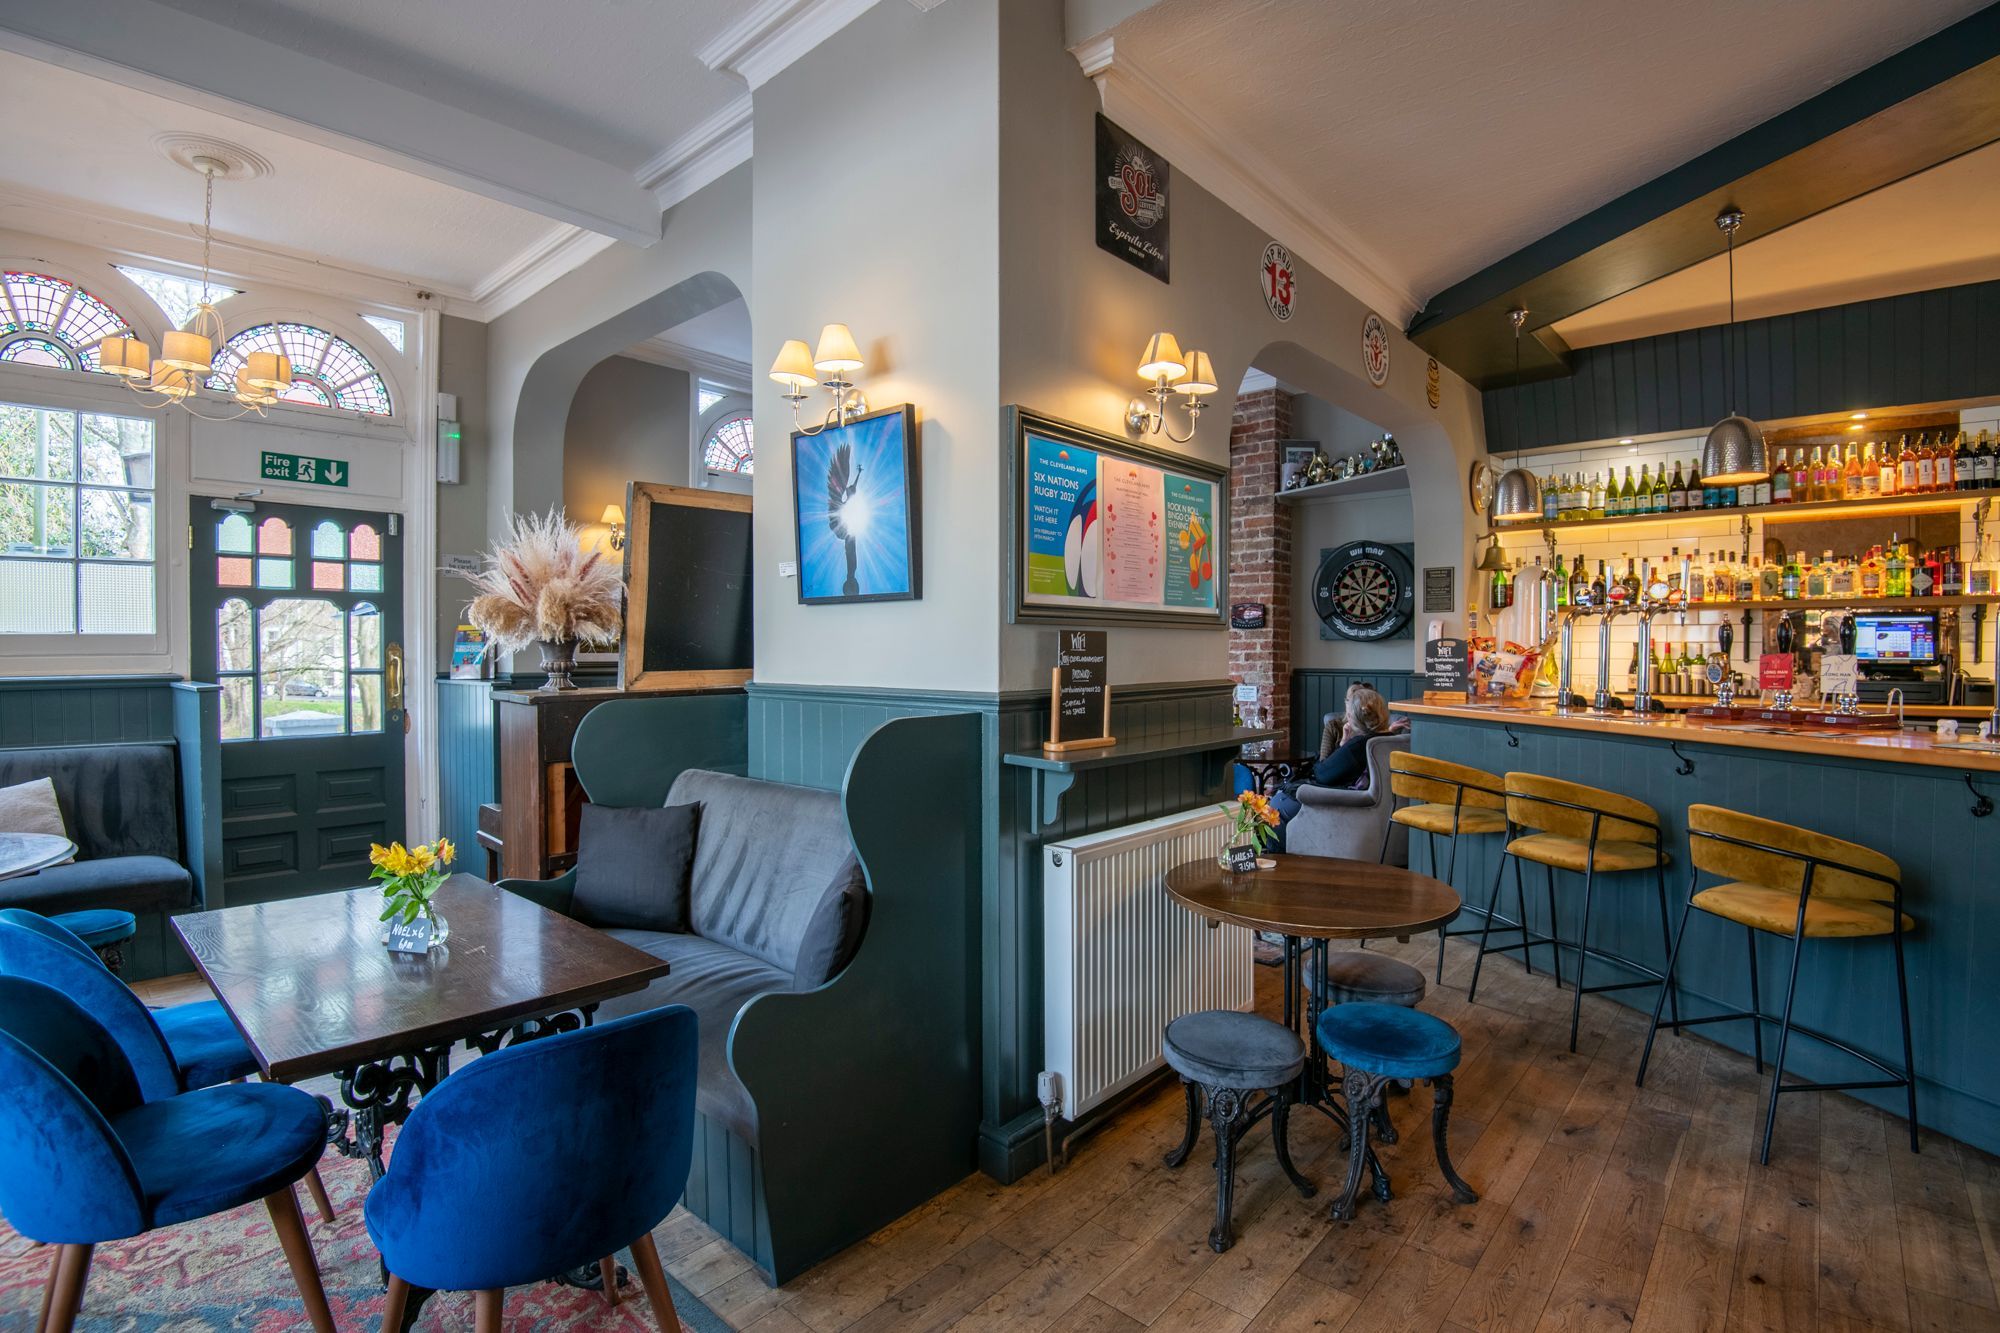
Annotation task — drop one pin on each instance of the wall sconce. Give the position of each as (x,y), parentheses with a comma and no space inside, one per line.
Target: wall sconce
(1171,372)
(799,370)
(613,518)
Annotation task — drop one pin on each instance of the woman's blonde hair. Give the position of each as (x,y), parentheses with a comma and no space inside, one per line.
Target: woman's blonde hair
(1367,712)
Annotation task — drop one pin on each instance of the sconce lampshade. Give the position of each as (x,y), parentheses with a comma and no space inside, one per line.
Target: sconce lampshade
(1200,376)
(612,517)
(127,358)
(794,366)
(1518,497)
(1734,453)
(250,393)
(187,351)
(837,350)
(1163,359)
(171,382)
(267,370)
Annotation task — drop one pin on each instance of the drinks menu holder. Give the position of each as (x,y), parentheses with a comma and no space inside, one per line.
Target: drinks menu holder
(1079,694)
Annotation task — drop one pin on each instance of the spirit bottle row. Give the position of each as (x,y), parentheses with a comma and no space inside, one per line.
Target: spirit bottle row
(1885,572)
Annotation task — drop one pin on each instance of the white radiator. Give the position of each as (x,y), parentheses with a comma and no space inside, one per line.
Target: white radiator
(1120,959)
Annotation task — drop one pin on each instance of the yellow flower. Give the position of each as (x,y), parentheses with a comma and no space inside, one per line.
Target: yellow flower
(445,851)
(421,858)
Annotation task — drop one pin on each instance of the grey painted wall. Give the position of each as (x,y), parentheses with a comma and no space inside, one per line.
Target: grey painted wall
(1337,430)
(462,509)
(628,422)
(1319,524)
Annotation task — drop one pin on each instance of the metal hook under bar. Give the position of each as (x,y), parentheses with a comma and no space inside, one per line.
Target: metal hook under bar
(1982,804)
(1513,741)
(1686,766)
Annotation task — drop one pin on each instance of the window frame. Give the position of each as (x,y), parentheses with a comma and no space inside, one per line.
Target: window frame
(733,402)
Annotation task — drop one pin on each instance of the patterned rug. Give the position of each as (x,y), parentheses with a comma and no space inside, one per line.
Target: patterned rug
(227,1272)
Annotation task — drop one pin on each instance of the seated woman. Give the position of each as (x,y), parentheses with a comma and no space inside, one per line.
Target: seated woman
(1367,716)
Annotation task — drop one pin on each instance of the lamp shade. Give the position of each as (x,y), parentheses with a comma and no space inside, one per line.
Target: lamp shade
(1200,376)
(1518,497)
(250,393)
(172,382)
(836,350)
(127,358)
(1163,359)
(1734,452)
(612,517)
(187,351)
(268,370)
(794,366)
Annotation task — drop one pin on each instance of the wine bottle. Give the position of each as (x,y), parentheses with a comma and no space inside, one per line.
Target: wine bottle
(1677,490)
(1781,479)
(1909,472)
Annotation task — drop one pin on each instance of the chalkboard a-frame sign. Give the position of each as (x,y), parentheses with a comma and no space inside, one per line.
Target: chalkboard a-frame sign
(1079,693)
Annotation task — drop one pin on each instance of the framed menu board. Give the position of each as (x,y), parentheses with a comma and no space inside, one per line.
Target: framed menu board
(1109,532)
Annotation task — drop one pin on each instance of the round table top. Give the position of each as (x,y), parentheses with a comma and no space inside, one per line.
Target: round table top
(1320,897)
(25,853)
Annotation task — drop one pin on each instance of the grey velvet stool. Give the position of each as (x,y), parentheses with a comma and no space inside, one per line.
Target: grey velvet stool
(1226,1057)
(1355,976)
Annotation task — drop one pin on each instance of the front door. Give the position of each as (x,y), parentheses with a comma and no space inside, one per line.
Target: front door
(297,612)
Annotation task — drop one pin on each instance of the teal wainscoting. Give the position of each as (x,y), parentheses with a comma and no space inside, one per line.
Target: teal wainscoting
(1319,691)
(1920,816)
(85,710)
(467,775)
(807,734)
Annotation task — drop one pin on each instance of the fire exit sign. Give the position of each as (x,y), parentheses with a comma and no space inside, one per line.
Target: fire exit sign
(300,468)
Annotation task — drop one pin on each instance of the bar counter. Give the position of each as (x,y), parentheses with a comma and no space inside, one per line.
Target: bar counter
(1901,793)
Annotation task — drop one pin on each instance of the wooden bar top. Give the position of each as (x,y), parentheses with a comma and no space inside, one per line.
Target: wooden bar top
(1895,747)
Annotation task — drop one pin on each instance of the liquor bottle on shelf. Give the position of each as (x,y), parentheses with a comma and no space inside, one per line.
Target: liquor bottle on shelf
(1802,489)
(1770,581)
(1642,494)
(1851,485)
(1983,465)
(1561,577)
(1600,588)
(1596,495)
(1909,467)
(1746,579)
(1661,494)
(1631,580)
(1869,582)
(1829,474)
(1926,575)
(1711,495)
(1878,473)
(1675,592)
(1819,579)
(1927,464)
(1982,576)
(1961,465)
(1951,573)
(1628,494)
(1895,570)
(1551,499)
(1677,490)
(1791,579)
(1844,580)
(1697,589)
(1781,479)
(1815,469)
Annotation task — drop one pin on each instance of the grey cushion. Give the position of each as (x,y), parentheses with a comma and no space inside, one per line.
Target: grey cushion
(715,981)
(763,858)
(833,936)
(117,800)
(632,866)
(138,884)
(1224,1049)
(1358,975)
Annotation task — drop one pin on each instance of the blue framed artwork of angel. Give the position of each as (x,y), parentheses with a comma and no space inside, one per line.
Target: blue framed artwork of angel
(857,503)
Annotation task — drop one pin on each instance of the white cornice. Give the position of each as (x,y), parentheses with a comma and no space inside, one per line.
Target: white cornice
(771,34)
(664,351)
(1240,176)
(714,147)
(562,249)
(1256,381)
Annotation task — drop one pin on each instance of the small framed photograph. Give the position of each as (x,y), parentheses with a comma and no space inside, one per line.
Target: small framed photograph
(1294,462)
(857,510)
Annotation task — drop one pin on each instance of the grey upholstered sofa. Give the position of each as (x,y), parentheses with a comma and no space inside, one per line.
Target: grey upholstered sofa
(1335,821)
(121,807)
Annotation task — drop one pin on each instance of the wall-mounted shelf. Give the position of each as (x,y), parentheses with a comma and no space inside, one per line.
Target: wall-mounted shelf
(1055,774)
(1897,504)
(1368,483)
(1845,603)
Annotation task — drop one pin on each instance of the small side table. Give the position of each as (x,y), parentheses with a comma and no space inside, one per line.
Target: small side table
(1271,772)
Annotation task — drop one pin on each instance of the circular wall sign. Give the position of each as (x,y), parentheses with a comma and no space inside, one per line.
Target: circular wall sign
(1433,383)
(1365,590)
(1375,350)
(1279,280)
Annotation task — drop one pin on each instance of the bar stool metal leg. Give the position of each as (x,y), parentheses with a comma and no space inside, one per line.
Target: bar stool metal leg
(1784,1039)
(1660,1003)
(1193,1132)
(1582,951)
(1756,1003)
(1486,925)
(1673,996)
(1903,1003)
(1555,947)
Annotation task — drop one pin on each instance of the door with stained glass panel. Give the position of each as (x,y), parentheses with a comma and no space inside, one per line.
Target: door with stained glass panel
(297,615)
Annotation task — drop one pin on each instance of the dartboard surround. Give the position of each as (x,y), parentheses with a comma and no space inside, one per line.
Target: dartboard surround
(1365,591)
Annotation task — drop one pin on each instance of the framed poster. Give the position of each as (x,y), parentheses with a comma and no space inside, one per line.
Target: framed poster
(1132,189)
(687,588)
(1107,532)
(857,510)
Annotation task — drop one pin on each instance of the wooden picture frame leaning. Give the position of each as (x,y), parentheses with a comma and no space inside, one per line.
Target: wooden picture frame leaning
(698,610)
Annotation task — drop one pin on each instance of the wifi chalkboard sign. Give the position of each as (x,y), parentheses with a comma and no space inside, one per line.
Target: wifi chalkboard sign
(1079,693)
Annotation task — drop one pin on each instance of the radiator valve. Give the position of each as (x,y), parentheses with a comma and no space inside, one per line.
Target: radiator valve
(1048,1086)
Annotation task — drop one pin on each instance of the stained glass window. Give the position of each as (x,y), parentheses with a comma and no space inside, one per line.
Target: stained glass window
(274,537)
(731,445)
(232,534)
(329,543)
(367,542)
(56,322)
(327,371)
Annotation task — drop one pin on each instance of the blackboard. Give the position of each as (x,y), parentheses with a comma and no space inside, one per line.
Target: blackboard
(1445,666)
(688,614)
(1080,693)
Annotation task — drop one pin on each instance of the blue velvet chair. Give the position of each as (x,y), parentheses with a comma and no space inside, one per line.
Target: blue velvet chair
(87,1157)
(171,1050)
(104,929)
(511,1169)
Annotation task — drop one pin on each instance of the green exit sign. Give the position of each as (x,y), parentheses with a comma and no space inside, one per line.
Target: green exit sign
(302,469)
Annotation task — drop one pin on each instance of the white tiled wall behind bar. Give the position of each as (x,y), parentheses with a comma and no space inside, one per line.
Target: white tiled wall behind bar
(1691,533)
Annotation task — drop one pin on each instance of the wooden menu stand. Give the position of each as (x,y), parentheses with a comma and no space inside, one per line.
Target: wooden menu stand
(1054,746)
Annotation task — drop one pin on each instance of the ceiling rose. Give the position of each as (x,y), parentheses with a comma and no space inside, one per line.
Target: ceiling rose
(205,154)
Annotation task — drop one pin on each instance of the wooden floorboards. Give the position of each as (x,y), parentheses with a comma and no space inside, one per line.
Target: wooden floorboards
(1604,1207)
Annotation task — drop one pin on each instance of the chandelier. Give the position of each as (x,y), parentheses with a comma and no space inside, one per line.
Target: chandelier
(187,355)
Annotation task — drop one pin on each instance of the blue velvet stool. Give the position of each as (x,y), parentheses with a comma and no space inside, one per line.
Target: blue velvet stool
(103,929)
(1224,1057)
(1355,976)
(1375,1043)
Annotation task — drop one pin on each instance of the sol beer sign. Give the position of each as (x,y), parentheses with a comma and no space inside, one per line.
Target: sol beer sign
(1280,281)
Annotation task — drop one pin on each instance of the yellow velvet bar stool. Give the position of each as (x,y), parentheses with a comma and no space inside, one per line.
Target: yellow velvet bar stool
(1588,831)
(1792,882)
(1449,801)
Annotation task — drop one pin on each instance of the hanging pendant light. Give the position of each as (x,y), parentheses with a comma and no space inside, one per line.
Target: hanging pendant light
(1518,497)
(1734,452)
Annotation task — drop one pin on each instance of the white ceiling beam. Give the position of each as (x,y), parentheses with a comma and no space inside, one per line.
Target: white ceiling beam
(191,60)
(703,155)
(770,34)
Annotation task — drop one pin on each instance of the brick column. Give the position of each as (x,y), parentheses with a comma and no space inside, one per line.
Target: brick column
(1260,554)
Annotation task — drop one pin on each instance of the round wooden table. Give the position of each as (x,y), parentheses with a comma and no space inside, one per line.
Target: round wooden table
(1310,900)
(25,853)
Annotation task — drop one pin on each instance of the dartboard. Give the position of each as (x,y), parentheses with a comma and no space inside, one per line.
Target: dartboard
(1364,590)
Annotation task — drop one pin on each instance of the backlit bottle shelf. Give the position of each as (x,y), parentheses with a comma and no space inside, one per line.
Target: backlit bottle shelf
(1930,501)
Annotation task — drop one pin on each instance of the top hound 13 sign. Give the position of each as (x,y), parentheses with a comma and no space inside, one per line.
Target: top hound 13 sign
(1132,186)
(1280,281)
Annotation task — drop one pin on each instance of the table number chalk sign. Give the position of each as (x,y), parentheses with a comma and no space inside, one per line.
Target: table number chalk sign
(411,936)
(1079,693)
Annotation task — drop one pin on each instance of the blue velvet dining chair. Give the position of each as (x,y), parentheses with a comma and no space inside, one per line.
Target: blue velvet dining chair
(176,1049)
(87,1157)
(509,1171)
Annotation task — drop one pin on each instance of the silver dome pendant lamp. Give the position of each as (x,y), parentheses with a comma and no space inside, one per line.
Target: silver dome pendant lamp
(1518,497)
(1734,452)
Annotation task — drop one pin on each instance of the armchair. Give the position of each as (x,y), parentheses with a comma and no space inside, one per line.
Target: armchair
(1334,821)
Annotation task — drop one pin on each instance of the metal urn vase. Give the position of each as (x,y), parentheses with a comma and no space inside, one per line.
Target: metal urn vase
(558,661)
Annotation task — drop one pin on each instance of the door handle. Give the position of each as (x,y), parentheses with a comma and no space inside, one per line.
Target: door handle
(394,681)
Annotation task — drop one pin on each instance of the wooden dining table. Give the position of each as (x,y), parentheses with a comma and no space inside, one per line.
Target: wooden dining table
(1310,900)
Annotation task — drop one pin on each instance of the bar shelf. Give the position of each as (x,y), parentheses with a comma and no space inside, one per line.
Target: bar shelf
(1895,504)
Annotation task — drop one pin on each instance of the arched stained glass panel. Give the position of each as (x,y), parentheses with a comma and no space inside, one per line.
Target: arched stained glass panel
(327,370)
(38,352)
(731,445)
(64,314)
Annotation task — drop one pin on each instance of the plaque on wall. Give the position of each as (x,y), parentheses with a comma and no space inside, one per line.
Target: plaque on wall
(1133,184)
(1439,592)
(1249,615)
